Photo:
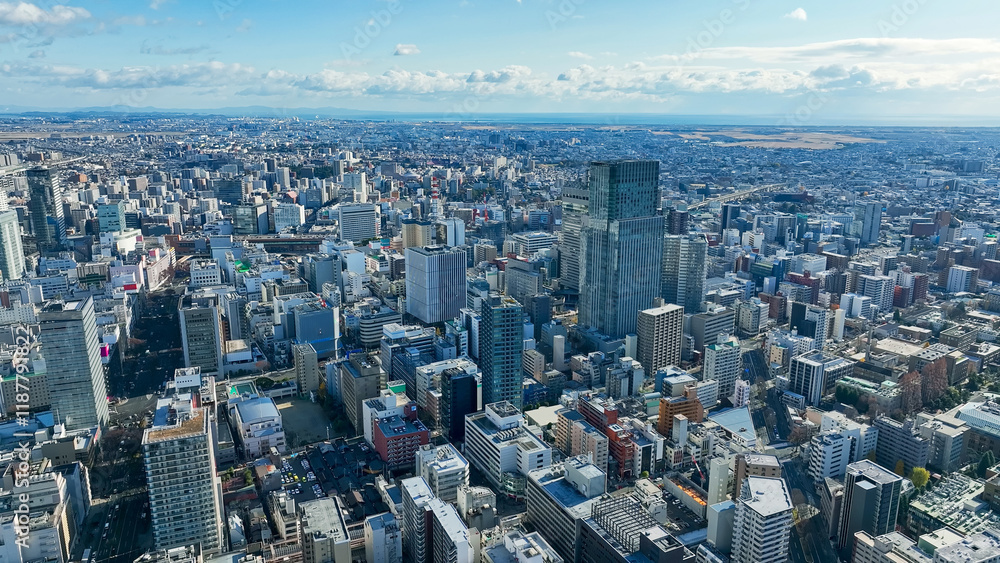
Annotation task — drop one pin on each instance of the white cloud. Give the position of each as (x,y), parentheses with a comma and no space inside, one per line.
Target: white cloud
(26,13)
(404,49)
(244,26)
(130,20)
(580,55)
(155,4)
(37,54)
(797,14)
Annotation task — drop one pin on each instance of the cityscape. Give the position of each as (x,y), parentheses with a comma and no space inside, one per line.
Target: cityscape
(727,296)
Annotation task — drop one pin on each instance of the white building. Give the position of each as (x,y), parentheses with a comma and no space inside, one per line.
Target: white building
(288,216)
(258,423)
(205,273)
(741,393)
(357,221)
(444,469)
(763,522)
(498,444)
(723,361)
(324,531)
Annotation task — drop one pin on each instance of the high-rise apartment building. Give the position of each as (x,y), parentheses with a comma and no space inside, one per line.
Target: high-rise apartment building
(501,335)
(763,522)
(70,345)
(11,247)
(416,519)
(46,207)
(306,368)
(723,362)
(360,379)
(868,221)
(185,501)
(685,266)
(435,282)
(660,336)
(622,251)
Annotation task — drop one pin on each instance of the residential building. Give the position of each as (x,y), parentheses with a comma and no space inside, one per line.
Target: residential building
(685,266)
(501,334)
(360,379)
(723,363)
(501,448)
(763,522)
(561,495)
(814,374)
(11,247)
(306,368)
(201,332)
(900,441)
(185,500)
(660,333)
(324,531)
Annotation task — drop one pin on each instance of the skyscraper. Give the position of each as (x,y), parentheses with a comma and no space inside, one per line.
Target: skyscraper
(868,221)
(201,332)
(184,502)
(11,247)
(574,217)
(501,335)
(730,213)
(660,334)
(435,283)
(46,207)
(684,270)
(75,376)
(763,522)
(622,252)
(871,501)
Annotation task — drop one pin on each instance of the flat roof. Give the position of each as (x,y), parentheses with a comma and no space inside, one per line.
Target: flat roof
(768,495)
(736,421)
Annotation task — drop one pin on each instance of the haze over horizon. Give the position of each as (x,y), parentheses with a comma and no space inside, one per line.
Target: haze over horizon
(803,63)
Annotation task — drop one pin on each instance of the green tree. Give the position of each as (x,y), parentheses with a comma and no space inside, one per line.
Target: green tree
(987,461)
(248,477)
(900,468)
(920,477)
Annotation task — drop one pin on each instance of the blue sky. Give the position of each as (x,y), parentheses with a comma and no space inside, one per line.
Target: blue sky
(800,60)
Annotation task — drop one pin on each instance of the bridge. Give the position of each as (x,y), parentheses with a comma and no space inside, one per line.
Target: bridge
(737,195)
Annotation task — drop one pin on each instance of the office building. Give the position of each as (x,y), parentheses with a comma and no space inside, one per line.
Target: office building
(75,376)
(435,283)
(814,374)
(893,547)
(574,216)
(622,252)
(250,218)
(519,546)
(444,470)
(871,501)
(357,221)
(185,496)
(709,324)
(561,495)
(501,448)
(685,266)
(983,547)
(962,279)
(324,531)
(660,336)
(306,368)
(11,247)
(46,207)
(360,379)
(111,217)
(201,332)
(723,363)
(621,530)
(459,398)
(501,335)
(763,522)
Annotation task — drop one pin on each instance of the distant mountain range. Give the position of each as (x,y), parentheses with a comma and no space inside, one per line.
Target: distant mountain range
(609,120)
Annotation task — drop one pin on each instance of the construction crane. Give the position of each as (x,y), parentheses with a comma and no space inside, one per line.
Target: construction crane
(695,461)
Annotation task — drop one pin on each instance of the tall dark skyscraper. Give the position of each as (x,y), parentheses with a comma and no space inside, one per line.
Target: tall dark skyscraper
(730,213)
(622,252)
(458,398)
(501,343)
(46,207)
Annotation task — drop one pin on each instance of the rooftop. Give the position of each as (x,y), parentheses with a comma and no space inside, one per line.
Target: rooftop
(768,496)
